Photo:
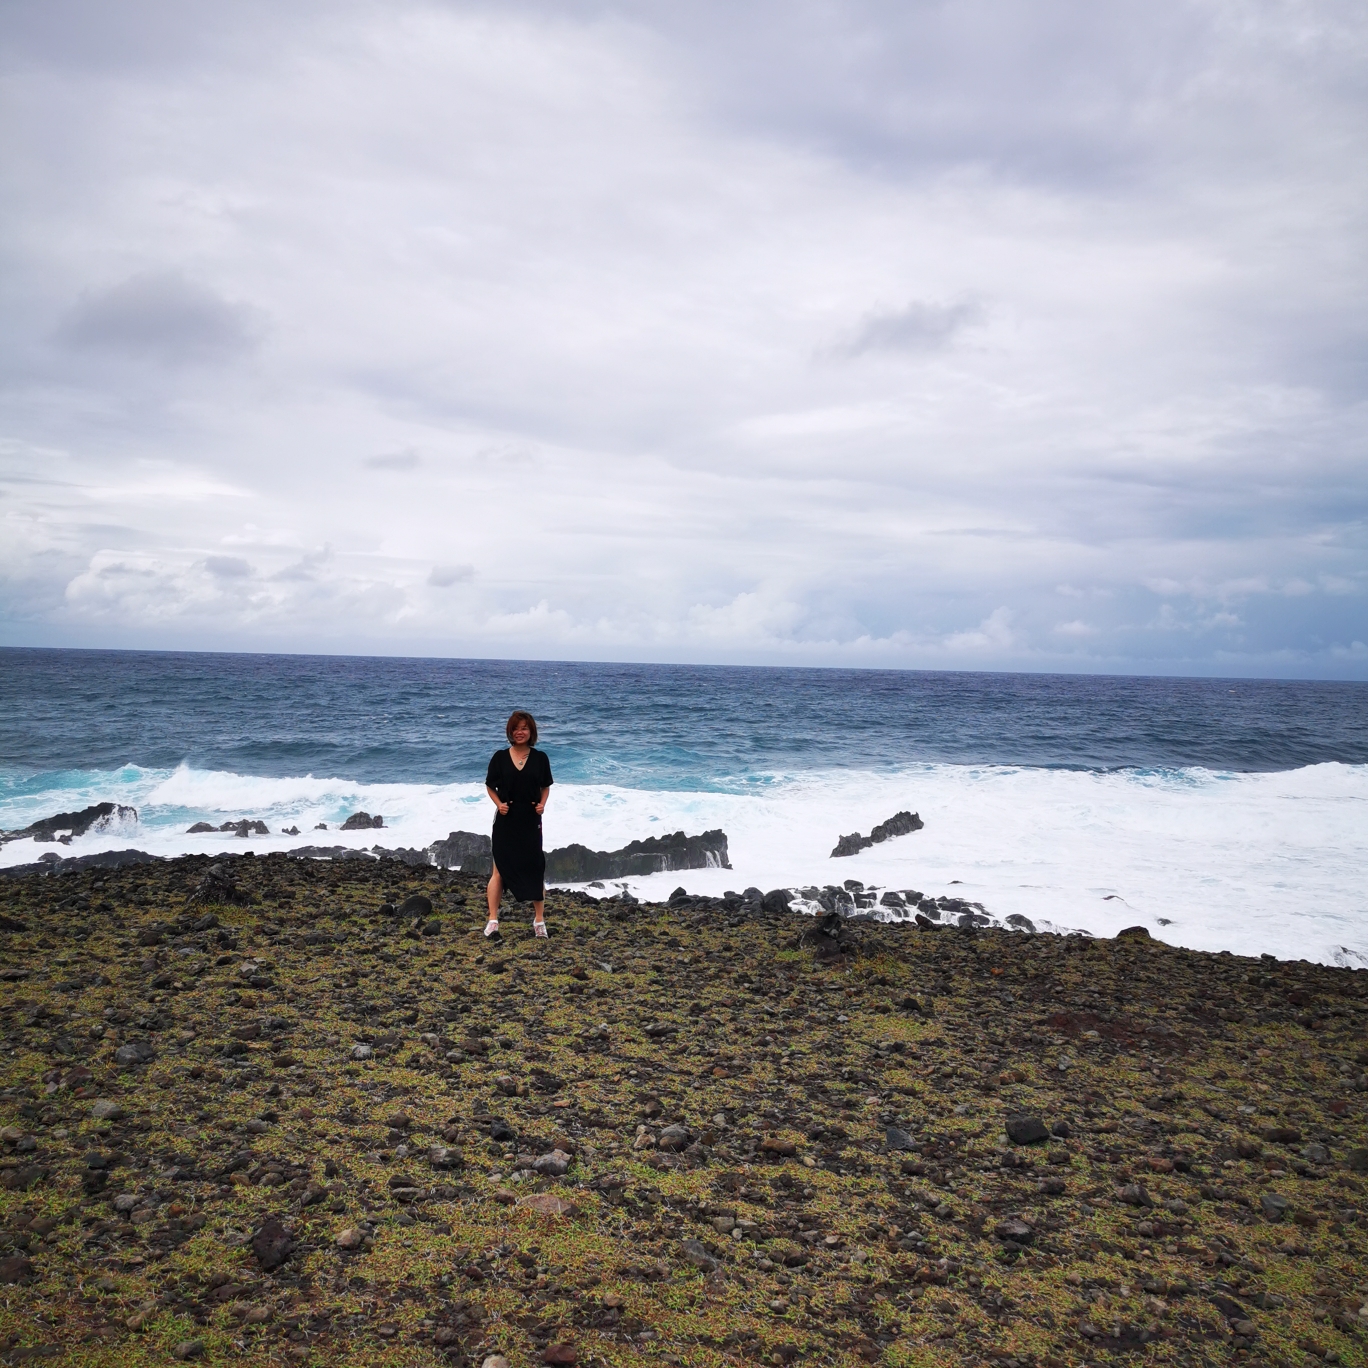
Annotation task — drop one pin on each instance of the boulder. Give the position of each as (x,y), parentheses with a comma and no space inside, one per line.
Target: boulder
(466,851)
(655,855)
(97,817)
(1026,1130)
(900,824)
(199,829)
(362,821)
(246,828)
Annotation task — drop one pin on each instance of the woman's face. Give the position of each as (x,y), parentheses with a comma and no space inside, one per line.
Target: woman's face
(522,734)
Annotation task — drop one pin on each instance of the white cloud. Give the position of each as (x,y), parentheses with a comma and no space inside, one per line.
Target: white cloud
(799,333)
(444,576)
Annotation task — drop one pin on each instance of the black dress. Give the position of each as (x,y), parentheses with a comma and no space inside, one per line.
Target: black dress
(518,854)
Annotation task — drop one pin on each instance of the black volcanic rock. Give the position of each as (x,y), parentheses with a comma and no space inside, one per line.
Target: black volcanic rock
(656,854)
(466,851)
(362,821)
(97,817)
(900,824)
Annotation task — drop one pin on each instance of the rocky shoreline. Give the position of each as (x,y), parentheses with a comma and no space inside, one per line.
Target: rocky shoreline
(292,1110)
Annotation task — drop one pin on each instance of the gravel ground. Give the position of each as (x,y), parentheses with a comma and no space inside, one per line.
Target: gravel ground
(255,1113)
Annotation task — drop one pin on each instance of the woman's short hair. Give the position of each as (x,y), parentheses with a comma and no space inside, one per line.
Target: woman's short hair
(520,716)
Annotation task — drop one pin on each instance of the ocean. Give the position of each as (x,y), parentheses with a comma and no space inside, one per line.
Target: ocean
(1220,814)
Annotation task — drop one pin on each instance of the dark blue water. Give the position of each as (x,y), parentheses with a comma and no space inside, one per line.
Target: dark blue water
(654,726)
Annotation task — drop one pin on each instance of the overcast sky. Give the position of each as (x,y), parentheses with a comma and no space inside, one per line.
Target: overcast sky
(985,335)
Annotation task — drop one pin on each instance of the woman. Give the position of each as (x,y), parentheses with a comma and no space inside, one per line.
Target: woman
(518,783)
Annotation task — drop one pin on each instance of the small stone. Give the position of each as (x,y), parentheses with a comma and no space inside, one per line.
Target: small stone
(772,1144)
(897,1139)
(1274,1204)
(674,1138)
(696,1254)
(126,1201)
(188,1349)
(1026,1130)
(1316,1154)
(495,1361)
(16,1268)
(105,1110)
(553,1165)
(1133,933)
(548,1204)
(362,1052)
(1357,1160)
(350,1238)
(272,1244)
(1014,1229)
(1134,1194)
(559,1353)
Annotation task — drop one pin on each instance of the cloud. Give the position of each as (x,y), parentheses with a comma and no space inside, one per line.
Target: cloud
(399,460)
(994,633)
(918,327)
(160,316)
(227,567)
(806,332)
(444,576)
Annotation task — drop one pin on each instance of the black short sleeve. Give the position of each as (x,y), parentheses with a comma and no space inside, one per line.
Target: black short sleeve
(546,780)
(495,771)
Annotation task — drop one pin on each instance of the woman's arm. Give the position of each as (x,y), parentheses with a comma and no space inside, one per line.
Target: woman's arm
(541,806)
(498,802)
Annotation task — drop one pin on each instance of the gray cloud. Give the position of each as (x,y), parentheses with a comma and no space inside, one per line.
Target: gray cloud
(609,322)
(398,460)
(159,315)
(227,567)
(917,327)
(444,576)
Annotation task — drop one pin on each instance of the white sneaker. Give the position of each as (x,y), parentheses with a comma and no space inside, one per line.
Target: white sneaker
(492,926)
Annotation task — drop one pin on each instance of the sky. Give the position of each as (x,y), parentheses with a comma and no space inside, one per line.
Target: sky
(928,335)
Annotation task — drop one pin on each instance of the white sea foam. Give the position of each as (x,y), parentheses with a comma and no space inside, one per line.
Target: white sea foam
(1253,863)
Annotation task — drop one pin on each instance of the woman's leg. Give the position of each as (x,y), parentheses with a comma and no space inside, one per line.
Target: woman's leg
(538,913)
(494,894)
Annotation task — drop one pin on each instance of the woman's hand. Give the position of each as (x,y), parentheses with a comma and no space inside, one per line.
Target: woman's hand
(502,809)
(541,807)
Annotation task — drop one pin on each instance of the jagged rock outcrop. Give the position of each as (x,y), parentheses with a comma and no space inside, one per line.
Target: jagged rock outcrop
(52,863)
(464,850)
(900,824)
(656,854)
(362,821)
(97,817)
